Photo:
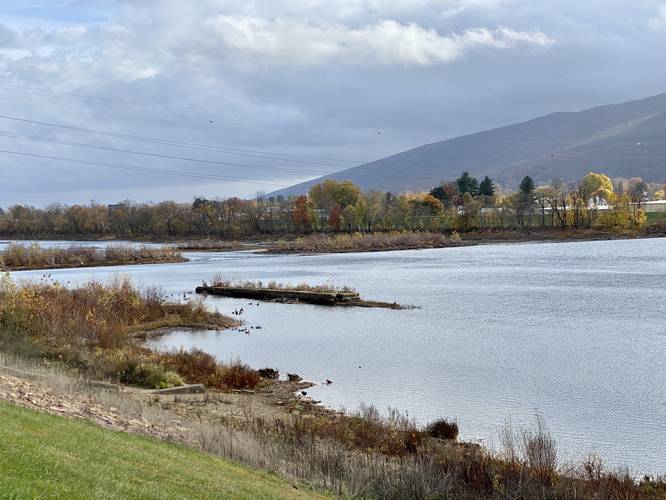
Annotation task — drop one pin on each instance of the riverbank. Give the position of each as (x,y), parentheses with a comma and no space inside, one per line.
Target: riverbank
(275,430)
(95,462)
(94,329)
(384,241)
(21,257)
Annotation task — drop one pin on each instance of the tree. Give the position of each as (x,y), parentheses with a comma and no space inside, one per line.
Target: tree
(467,184)
(469,213)
(302,215)
(526,187)
(487,188)
(447,193)
(595,185)
(525,200)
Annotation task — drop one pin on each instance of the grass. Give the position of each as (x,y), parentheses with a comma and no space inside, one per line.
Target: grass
(44,456)
(93,329)
(19,257)
(220,281)
(209,245)
(359,455)
(365,242)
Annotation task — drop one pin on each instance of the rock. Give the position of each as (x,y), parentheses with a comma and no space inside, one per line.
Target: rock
(182,389)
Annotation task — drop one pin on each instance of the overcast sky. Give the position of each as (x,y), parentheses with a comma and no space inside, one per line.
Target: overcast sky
(265,93)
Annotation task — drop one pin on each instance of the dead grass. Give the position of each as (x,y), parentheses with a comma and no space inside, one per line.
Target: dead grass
(220,281)
(210,245)
(92,329)
(24,257)
(199,367)
(365,242)
(355,468)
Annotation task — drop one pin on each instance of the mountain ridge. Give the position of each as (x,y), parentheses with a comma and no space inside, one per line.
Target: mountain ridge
(627,139)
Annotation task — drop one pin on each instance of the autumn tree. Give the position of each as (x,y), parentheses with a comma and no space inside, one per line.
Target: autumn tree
(447,193)
(302,214)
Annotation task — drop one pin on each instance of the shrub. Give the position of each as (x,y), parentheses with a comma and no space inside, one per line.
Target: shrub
(268,373)
(148,375)
(443,429)
(240,376)
(33,256)
(196,366)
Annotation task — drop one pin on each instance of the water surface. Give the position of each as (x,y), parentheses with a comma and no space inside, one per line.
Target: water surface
(573,330)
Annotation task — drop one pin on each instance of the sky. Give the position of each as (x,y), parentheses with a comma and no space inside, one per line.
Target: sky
(147,100)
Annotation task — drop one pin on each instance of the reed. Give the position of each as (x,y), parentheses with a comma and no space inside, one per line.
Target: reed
(365,242)
(18,256)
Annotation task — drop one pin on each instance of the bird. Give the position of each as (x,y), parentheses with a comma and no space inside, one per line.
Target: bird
(304,393)
(328,382)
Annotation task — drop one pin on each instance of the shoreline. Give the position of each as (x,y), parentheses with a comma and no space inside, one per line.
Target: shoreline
(263,420)
(93,264)
(270,247)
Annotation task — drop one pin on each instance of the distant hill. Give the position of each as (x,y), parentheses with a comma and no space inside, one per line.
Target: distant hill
(621,140)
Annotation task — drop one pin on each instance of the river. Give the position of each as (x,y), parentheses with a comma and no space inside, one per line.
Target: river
(574,331)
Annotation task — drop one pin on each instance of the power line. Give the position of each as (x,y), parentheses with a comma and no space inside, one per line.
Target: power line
(147,108)
(136,168)
(154,155)
(203,147)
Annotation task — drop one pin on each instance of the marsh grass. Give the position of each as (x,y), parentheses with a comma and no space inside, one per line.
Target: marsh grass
(211,245)
(92,328)
(365,242)
(18,256)
(219,281)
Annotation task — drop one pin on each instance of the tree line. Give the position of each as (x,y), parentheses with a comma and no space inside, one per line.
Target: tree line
(465,204)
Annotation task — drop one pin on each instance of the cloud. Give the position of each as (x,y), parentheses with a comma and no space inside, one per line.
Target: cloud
(316,78)
(659,21)
(385,43)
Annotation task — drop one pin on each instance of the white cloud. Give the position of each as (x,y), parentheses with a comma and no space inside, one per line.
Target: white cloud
(659,21)
(310,77)
(384,43)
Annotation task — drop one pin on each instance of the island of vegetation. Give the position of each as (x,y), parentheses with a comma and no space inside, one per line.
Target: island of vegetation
(325,295)
(57,343)
(23,257)
(366,242)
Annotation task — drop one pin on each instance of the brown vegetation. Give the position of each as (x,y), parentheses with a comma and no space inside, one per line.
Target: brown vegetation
(210,246)
(365,242)
(219,281)
(92,328)
(362,455)
(19,257)
(326,295)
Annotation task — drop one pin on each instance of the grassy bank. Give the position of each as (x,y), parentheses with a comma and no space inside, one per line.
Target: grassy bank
(21,257)
(94,329)
(360,455)
(47,456)
(365,242)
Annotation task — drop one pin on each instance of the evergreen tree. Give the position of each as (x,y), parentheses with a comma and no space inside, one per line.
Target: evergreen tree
(487,187)
(467,184)
(527,187)
(526,200)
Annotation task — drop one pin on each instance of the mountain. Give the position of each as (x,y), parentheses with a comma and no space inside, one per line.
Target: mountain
(620,140)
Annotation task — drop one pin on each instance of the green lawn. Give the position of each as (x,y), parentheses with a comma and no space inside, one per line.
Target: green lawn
(45,456)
